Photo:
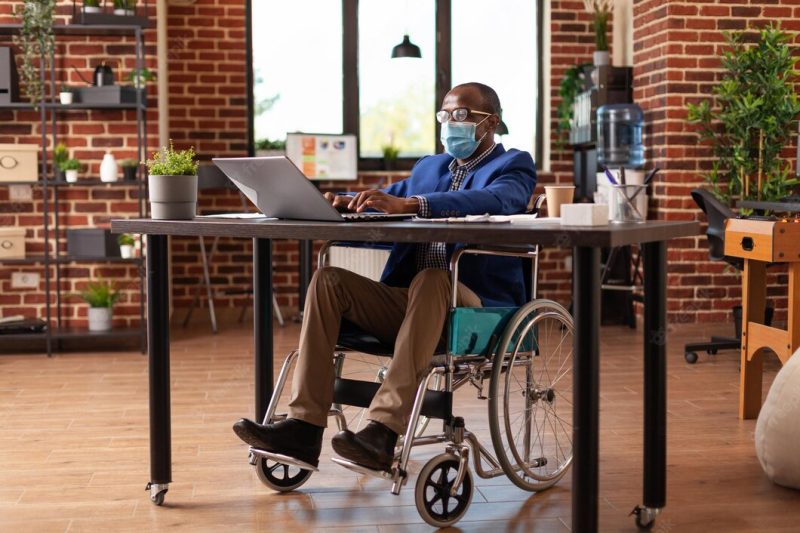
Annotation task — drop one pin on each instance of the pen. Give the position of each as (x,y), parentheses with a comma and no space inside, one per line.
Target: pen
(609,175)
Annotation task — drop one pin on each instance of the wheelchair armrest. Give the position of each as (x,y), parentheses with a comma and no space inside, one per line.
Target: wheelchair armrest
(521,251)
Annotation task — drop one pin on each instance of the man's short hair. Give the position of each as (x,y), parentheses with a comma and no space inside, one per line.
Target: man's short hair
(491,101)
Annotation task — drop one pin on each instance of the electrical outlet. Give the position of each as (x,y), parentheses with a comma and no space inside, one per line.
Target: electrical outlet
(24,280)
(20,193)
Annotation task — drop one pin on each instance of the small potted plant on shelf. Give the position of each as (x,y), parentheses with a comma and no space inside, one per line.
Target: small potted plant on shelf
(600,11)
(172,184)
(101,298)
(126,245)
(65,96)
(266,148)
(60,156)
(91,6)
(129,169)
(125,7)
(70,167)
(390,153)
(139,77)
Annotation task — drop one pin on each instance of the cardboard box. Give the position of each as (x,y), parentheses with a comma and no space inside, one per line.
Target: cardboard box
(19,162)
(12,243)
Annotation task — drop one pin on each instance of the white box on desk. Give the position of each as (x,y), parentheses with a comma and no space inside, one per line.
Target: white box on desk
(584,215)
(19,162)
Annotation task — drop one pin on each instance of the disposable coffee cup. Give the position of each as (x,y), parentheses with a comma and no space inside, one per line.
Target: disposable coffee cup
(558,195)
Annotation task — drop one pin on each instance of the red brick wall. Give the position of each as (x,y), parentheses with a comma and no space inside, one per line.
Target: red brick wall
(677,49)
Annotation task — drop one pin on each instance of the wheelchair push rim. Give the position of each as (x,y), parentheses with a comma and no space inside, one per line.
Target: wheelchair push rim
(530,396)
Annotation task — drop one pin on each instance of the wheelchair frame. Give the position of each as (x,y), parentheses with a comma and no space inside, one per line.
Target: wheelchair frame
(456,372)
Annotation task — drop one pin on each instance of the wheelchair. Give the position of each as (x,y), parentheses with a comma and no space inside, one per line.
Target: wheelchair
(525,354)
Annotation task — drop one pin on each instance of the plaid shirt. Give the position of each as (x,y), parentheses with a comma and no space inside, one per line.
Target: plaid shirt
(434,254)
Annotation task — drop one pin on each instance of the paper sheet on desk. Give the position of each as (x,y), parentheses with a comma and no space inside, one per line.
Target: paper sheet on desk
(239,216)
(497,219)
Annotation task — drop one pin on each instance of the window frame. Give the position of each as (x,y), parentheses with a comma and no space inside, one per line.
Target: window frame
(350,92)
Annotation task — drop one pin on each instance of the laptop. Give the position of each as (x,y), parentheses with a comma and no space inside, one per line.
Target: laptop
(280,190)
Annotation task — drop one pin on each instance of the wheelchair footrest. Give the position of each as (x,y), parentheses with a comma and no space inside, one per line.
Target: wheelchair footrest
(355,467)
(284,459)
(437,404)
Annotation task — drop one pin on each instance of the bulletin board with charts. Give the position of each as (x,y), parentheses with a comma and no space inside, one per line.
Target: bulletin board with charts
(322,156)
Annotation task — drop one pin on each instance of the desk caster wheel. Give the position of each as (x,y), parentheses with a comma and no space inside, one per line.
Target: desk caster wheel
(691,357)
(157,492)
(645,517)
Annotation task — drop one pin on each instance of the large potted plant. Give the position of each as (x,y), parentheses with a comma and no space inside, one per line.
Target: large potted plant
(600,11)
(172,184)
(37,43)
(750,118)
(101,298)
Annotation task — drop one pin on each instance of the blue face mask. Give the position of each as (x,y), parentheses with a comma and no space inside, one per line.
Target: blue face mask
(459,139)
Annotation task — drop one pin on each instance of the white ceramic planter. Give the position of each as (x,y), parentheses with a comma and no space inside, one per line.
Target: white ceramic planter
(71,176)
(172,197)
(99,318)
(124,12)
(126,251)
(65,97)
(600,58)
(91,9)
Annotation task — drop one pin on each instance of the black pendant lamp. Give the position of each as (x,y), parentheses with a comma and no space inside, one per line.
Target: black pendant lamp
(406,49)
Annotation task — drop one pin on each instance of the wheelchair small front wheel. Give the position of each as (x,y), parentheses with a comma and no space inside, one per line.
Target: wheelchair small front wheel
(432,494)
(279,476)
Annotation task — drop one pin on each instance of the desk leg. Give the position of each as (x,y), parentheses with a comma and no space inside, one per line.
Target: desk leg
(262,323)
(306,262)
(586,302)
(655,382)
(158,348)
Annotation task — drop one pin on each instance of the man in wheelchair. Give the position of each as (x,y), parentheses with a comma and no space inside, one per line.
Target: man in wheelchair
(409,307)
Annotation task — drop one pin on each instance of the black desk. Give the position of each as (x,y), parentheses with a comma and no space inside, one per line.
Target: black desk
(586,244)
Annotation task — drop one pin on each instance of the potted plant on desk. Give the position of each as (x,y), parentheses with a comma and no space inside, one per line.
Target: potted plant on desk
(101,298)
(172,184)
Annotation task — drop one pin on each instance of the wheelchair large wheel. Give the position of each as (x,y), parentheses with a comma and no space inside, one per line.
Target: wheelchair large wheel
(530,396)
(366,367)
(279,476)
(432,493)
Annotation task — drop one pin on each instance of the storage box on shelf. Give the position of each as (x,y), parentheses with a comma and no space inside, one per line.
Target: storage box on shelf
(19,162)
(91,242)
(12,243)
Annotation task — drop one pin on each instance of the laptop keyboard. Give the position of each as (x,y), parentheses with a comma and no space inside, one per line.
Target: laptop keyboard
(372,217)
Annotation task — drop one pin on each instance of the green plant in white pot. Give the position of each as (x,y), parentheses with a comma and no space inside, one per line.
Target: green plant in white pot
(101,298)
(172,183)
(127,243)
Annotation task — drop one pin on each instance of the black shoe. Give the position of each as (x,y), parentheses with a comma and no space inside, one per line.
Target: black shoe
(291,437)
(372,447)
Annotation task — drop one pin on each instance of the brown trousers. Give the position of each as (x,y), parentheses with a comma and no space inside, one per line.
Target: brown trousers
(413,318)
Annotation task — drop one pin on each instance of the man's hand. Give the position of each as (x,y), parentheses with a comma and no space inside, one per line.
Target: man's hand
(379,200)
(339,201)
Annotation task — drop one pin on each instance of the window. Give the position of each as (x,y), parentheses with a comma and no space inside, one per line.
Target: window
(499,48)
(325,66)
(297,67)
(396,96)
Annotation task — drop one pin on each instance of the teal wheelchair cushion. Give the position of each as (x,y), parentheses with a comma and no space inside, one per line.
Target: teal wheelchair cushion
(473,329)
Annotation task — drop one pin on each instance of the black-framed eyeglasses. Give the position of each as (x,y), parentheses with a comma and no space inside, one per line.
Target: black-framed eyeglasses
(459,114)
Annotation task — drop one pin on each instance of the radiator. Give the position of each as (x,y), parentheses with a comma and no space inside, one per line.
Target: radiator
(369,263)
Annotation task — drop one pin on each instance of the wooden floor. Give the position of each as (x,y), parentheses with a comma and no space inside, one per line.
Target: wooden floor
(74,451)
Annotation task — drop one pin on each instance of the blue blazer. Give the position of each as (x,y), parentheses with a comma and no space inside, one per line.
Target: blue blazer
(501,185)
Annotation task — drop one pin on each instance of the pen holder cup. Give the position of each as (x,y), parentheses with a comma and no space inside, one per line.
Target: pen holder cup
(622,203)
